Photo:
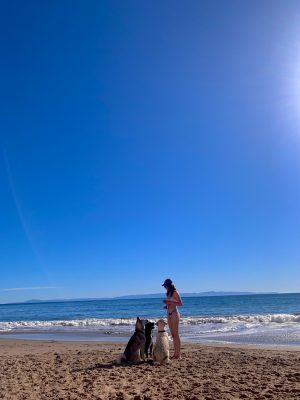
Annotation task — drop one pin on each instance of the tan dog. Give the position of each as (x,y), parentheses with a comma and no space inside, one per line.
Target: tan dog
(161,348)
(135,347)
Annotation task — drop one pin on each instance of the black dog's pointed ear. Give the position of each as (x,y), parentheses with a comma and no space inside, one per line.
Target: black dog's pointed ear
(137,318)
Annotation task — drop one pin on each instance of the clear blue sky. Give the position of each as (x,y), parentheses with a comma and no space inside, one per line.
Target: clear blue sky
(145,140)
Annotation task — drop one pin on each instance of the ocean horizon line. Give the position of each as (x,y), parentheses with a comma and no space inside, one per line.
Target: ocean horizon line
(211,293)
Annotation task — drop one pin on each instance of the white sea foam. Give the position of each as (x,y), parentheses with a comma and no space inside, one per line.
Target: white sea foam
(206,324)
(79,323)
(250,319)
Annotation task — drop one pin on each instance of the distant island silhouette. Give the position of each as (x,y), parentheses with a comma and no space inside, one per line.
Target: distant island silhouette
(148,296)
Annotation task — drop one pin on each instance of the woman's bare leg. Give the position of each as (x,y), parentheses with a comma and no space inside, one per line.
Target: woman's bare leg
(173,322)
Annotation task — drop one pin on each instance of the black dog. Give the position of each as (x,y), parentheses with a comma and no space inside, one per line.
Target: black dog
(149,343)
(134,350)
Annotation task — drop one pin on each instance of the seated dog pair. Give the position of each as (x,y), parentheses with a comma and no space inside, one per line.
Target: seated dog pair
(140,344)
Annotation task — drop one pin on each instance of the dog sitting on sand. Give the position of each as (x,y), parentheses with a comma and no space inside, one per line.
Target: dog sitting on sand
(149,342)
(135,347)
(161,351)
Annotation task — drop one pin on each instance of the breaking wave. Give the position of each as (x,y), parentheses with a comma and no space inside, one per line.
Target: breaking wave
(249,319)
(97,323)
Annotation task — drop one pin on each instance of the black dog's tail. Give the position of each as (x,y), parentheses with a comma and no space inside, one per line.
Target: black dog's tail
(121,359)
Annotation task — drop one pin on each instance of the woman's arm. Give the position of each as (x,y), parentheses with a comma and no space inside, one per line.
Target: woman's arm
(177,300)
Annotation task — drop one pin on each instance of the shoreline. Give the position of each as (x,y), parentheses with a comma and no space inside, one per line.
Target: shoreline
(13,339)
(44,370)
(102,337)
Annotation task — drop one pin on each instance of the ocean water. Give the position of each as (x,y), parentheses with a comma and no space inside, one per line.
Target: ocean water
(267,319)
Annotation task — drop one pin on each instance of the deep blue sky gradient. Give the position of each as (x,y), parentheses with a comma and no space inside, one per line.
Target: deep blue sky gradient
(141,140)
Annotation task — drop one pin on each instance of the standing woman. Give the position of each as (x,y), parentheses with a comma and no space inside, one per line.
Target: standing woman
(172,302)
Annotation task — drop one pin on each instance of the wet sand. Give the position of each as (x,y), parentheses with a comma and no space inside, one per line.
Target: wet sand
(78,370)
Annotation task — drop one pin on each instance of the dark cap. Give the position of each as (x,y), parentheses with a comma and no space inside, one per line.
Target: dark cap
(167,282)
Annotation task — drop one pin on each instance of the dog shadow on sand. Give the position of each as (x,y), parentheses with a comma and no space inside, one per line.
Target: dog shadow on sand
(111,365)
(96,366)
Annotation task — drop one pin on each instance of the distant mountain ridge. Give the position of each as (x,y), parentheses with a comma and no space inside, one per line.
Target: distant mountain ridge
(150,296)
(200,294)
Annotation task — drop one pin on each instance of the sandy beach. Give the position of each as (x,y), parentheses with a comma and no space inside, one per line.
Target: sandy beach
(72,370)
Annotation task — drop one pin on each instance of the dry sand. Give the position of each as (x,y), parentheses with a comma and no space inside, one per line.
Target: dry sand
(73,370)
